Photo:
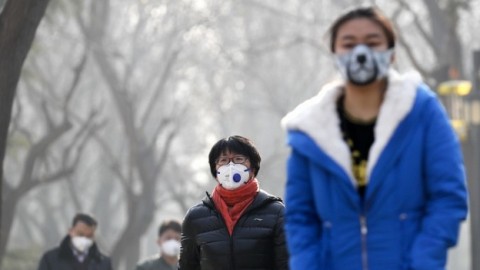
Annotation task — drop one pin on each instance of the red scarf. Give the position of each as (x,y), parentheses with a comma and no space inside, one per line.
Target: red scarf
(232,203)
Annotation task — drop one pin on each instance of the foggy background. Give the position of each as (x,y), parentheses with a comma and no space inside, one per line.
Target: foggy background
(120,101)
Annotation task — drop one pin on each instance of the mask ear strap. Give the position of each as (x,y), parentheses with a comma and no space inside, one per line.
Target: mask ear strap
(384,61)
(392,54)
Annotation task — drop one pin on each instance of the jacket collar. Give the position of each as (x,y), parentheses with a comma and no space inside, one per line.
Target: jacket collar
(261,198)
(318,118)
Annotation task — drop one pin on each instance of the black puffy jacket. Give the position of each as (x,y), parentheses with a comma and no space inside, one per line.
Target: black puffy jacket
(257,241)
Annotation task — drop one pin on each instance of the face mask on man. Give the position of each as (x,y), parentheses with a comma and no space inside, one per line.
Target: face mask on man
(232,176)
(362,65)
(171,248)
(81,243)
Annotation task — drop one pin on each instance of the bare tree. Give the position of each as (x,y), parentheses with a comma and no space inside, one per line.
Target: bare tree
(148,132)
(440,37)
(40,167)
(18,23)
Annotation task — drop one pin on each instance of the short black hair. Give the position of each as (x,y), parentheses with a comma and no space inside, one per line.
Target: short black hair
(239,145)
(85,218)
(170,224)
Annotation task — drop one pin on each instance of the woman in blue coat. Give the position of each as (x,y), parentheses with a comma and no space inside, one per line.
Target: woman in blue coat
(375,177)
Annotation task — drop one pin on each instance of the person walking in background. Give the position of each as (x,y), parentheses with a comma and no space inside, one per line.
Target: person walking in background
(239,226)
(78,250)
(169,242)
(375,176)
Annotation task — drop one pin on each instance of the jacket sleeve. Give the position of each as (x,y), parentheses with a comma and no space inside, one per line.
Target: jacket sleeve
(446,192)
(142,265)
(189,254)
(302,225)
(43,265)
(280,245)
(139,267)
(109,264)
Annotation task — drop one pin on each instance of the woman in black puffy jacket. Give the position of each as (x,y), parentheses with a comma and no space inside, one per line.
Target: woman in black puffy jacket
(239,226)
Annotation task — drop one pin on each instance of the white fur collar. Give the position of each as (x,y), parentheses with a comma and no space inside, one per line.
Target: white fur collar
(318,118)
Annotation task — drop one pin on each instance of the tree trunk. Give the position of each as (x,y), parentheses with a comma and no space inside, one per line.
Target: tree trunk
(444,24)
(126,251)
(18,23)
(7,219)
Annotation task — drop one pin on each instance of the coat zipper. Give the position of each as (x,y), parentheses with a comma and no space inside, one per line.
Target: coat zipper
(232,263)
(245,214)
(249,208)
(364,232)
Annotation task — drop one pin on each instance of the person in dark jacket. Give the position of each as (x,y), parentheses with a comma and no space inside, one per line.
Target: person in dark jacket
(239,226)
(78,250)
(169,242)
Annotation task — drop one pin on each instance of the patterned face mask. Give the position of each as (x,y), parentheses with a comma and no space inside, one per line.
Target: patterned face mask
(362,65)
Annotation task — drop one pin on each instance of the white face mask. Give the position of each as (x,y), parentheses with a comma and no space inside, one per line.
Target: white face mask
(171,248)
(81,243)
(362,65)
(232,176)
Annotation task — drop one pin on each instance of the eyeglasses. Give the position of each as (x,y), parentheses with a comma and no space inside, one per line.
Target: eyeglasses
(224,160)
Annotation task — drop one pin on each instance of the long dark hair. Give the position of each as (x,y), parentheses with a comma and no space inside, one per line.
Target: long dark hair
(371,13)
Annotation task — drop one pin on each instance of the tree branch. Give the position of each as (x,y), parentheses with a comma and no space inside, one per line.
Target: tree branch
(164,122)
(421,29)
(161,85)
(39,149)
(167,144)
(114,163)
(14,125)
(48,117)
(59,175)
(408,48)
(77,73)
(276,12)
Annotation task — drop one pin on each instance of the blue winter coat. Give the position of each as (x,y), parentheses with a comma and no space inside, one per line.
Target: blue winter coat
(416,195)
